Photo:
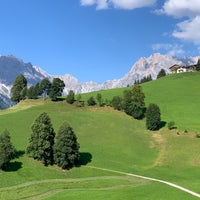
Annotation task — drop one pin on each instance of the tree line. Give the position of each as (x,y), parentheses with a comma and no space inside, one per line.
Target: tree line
(44,145)
(132,103)
(20,90)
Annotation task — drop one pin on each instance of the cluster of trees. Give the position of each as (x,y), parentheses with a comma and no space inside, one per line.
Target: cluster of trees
(132,103)
(44,145)
(62,149)
(144,80)
(45,88)
(148,78)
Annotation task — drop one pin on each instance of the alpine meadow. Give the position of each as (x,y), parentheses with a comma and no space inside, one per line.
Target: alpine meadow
(119,158)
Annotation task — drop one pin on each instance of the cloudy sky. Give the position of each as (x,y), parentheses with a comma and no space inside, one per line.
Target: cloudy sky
(97,39)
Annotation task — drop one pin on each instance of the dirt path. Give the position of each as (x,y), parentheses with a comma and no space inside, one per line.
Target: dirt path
(151,179)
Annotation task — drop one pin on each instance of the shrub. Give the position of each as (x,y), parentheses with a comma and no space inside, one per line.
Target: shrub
(171,125)
(91,101)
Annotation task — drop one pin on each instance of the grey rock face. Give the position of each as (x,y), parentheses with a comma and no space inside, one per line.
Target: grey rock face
(11,67)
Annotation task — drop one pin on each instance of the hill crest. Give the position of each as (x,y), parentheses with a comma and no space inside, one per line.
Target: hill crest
(11,67)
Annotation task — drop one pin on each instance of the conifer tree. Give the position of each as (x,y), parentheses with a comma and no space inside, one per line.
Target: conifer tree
(42,140)
(161,73)
(66,149)
(18,91)
(7,150)
(153,117)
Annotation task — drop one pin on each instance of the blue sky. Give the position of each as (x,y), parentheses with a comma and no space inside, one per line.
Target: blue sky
(97,39)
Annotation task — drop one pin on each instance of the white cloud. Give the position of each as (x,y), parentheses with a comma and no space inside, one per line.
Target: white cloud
(88,2)
(187,30)
(170,49)
(119,4)
(132,4)
(181,8)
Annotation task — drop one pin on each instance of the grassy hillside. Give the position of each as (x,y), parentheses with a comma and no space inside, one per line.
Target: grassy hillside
(111,140)
(178,96)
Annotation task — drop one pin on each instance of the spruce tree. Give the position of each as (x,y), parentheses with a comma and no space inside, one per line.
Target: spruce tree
(42,140)
(66,149)
(153,117)
(18,90)
(161,73)
(7,150)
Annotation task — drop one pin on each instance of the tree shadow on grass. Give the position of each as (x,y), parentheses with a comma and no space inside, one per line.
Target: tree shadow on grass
(19,153)
(85,158)
(13,166)
(162,124)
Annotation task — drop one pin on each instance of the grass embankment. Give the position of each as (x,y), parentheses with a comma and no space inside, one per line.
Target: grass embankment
(108,139)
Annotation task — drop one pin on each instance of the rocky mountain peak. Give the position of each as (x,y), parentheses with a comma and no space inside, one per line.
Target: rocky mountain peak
(11,67)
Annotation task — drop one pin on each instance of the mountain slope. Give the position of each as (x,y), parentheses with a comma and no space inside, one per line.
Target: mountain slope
(11,67)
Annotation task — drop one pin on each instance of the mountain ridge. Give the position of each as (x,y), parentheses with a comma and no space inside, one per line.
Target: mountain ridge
(11,67)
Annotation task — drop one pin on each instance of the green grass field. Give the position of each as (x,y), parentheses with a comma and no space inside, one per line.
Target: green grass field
(112,140)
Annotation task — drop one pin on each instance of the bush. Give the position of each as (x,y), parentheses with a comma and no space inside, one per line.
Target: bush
(116,103)
(70,97)
(198,135)
(171,125)
(91,101)
(133,102)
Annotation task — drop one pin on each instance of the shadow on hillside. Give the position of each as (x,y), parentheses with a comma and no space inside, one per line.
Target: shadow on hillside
(19,153)
(85,158)
(13,166)
(162,124)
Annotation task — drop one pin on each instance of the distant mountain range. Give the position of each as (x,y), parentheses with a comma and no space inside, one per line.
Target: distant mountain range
(11,67)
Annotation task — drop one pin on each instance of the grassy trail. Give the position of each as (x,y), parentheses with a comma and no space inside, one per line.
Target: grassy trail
(152,179)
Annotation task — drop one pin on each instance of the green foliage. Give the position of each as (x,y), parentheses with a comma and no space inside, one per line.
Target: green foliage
(56,88)
(91,101)
(42,140)
(66,149)
(7,150)
(116,103)
(45,86)
(32,93)
(144,79)
(18,91)
(99,99)
(153,117)
(133,102)
(171,125)
(161,73)
(79,102)
(70,97)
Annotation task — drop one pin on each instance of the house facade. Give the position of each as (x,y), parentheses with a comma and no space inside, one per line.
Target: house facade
(180,69)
